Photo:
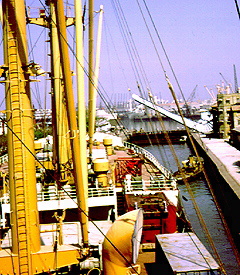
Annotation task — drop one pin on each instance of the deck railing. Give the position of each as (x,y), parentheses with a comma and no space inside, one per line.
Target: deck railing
(158,185)
(166,182)
(69,192)
(150,157)
(53,193)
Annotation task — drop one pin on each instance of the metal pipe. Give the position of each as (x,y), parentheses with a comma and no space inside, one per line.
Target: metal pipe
(74,137)
(92,97)
(81,94)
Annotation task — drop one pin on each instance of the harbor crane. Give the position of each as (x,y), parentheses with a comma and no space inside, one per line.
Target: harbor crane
(211,93)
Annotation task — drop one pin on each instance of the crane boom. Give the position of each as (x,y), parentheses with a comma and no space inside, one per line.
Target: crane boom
(200,127)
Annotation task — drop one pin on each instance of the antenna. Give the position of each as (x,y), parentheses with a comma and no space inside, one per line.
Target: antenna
(235,78)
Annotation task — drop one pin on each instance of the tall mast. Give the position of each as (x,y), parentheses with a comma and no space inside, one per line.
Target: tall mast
(93,70)
(71,112)
(81,94)
(59,115)
(92,96)
(22,174)
(98,51)
(26,256)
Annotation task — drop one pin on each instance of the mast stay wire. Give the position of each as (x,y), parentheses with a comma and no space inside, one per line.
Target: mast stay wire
(69,46)
(131,48)
(163,48)
(122,255)
(151,97)
(68,194)
(190,191)
(104,98)
(192,142)
(31,55)
(202,221)
(132,52)
(100,92)
(107,27)
(129,43)
(90,80)
(205,175)
(107,102)
(237,7)
(184,178)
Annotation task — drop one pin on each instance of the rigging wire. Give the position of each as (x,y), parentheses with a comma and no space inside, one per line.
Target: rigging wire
(81,210)
(189,135)
(208,182)
(237,7)
(159,117)
(37,93)
(163,48)
(107,27)
(178,164)
(226,227)
(69,195)
(65,190)
(100,91)
(133,55)
(190,191)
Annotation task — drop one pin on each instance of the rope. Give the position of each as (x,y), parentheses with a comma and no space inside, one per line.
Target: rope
(237,7)
(164,50)
(196,207)
(133,55)
(80,209)
(198,212)
(37,95)
(200,252)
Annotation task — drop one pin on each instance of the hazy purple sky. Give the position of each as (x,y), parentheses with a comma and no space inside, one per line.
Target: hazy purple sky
(201,39)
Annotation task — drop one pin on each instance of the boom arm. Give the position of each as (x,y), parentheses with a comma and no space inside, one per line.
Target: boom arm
(200,127)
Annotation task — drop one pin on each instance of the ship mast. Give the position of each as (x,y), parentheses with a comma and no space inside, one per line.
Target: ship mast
(93,71)
(22,174)
(59,115)
(92,95)
(26,256)
(71,112)
(64,115)
(81,93)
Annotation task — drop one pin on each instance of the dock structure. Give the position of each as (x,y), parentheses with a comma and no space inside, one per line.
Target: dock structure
(225,157)
(222,166)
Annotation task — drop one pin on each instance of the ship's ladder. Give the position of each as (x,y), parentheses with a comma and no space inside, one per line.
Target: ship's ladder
(17,165)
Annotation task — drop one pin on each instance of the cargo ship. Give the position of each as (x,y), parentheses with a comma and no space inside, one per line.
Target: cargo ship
(89,211)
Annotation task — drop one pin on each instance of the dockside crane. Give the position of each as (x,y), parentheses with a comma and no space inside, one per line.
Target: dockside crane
(210,93)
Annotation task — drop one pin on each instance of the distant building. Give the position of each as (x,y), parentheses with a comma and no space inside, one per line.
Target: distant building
(234,116)
(226,113)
